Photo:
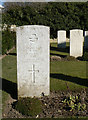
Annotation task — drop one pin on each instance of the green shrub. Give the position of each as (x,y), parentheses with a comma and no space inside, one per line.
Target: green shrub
(72,102)
(57,15)
(8,40)
(29,106)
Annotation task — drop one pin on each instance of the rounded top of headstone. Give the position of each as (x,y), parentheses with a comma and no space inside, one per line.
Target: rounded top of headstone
(61,30)
(76,30)
(33,26)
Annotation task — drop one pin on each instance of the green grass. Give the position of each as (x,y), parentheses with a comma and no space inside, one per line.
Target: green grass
(62,73)
(9,77)
(66,73)
(71,72)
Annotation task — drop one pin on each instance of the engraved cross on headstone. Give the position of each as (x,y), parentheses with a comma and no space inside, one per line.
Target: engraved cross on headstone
(33,73)
(33,38)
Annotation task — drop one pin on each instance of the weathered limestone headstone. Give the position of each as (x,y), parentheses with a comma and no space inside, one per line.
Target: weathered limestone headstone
(76,43)
(33,60)
(61,39)
(86,40)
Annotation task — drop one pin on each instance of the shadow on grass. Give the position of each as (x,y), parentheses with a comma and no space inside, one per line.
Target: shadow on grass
(14,54)
(58,55)
(84,56)
(66,50)
(80,81)
(80,58)
(9,87)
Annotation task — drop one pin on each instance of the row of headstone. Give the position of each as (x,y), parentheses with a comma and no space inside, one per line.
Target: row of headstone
(33,46)
(76,41)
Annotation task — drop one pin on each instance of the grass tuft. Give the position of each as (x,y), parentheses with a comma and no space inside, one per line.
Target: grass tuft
(29,106)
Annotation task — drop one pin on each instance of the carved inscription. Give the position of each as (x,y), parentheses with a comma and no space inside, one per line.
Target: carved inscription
(31,47)
(33,39)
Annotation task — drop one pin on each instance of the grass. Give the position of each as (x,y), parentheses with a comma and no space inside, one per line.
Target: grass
(9,77)
(66,73)
(62,73)
(59,52)
(72,73)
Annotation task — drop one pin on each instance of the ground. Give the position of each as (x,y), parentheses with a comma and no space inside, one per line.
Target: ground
(65,76)
(53,107)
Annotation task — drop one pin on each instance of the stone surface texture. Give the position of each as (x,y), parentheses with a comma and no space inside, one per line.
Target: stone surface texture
(61,39)
(86,40)
(33,60)
(76,43)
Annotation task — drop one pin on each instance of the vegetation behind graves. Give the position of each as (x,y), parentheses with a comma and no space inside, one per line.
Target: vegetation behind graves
(85,56)
(57,15)
(8,40)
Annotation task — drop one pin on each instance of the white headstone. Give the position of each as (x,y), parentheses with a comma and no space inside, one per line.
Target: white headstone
(33,60)
(86,40)
(76,43)
(61,39)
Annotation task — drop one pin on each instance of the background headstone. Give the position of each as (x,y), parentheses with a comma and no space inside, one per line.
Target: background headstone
(76,43)
(61,39)
(86,40)
(33,60)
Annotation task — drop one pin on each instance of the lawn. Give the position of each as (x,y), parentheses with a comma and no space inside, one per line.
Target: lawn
(59,52)
(9,76)
(68,73)
(63,74)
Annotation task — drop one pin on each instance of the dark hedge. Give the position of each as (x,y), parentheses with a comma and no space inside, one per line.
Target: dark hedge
(8,40)
(56,15)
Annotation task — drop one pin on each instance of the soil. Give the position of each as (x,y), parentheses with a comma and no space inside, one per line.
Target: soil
(52,106)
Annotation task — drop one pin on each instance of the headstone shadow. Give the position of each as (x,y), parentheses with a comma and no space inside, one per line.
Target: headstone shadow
(66,50)
(63,56)
(9,87)
(14,54)
(84,56)
(86,41)
(77,80)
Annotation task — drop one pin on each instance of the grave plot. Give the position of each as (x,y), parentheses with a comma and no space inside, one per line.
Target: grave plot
(71,74)
(67,79)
